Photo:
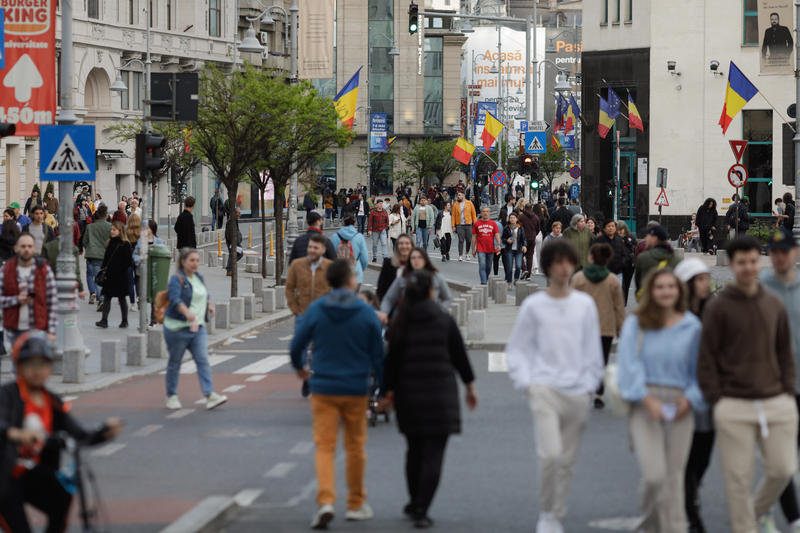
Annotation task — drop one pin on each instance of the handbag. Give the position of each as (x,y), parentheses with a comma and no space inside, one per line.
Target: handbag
(436,241)
(102,275)
(611,393)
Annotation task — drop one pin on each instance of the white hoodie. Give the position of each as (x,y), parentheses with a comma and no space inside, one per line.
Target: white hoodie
(556,343)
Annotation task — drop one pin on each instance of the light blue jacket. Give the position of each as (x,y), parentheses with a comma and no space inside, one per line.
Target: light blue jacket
(790,295)
(666,357)
(430,213)
(136,258)
(350,233)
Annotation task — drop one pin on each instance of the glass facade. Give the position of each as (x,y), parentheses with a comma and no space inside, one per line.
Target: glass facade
(757,130)
(381,72)
(433,86)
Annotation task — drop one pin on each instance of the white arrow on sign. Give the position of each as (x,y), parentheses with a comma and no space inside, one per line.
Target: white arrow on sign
(23,77)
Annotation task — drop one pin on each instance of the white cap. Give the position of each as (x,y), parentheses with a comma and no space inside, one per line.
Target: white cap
(689,268)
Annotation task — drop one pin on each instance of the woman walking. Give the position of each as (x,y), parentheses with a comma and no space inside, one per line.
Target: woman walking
(397,224)
(185,328)
(392,267)
(116,262)
(597,281)
(628,265)
(706,221)
(444,230)
(418,260)
(514,249)
(133,230)
(425,351)
(697,277)
(657,354)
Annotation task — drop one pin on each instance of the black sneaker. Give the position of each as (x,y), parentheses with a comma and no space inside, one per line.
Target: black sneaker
(123,324)
(304,390)
(423,522)
(101,324)
(408,510)
(599,403)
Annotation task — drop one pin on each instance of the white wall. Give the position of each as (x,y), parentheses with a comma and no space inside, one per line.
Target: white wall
(625,35)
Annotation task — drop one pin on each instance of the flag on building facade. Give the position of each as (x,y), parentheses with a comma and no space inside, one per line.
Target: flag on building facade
(345,101)
(555,142)
(390,141)
(573,113)
(740,91)
(614,103)
(605,123)
(634,118)
(491,131)
(463,150)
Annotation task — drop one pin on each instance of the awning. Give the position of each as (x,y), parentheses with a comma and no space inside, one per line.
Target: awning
(108,154)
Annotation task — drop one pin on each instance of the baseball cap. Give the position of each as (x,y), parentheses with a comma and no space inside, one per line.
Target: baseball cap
(14,205)
(782,239)
(659,232)
(32,344)
(689,268)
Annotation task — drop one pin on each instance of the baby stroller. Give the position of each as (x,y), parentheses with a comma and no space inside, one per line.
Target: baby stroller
(712,243)
(373,409)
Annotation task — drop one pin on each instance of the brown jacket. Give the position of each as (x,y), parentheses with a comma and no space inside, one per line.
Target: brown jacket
(746,347)
(304,286)
(607,296)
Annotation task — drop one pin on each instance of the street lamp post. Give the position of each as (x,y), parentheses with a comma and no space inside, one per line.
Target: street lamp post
(796,139)
(392,53)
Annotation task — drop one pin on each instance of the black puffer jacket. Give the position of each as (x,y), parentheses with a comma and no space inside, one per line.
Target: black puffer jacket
(420,370)
(620,257)
(707,216)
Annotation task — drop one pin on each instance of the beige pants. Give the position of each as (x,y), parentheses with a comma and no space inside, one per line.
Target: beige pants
(662,449)
(558,423)
(740,424)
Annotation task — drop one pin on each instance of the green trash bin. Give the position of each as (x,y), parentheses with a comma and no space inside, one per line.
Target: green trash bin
(158,259)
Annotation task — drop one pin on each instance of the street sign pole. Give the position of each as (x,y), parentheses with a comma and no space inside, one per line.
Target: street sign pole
(68,337)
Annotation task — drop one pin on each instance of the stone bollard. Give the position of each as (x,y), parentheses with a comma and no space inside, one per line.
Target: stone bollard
(136,349)
(484,296)
(270,267)
(223,315)
(211,325)
(477,298)
(74,366)
(268,300)
(280,297)
(501,292)
(453,311)
(211,259)
(251,259)
(468,303)
(237,310)
(722,258)
(461,304)
(252,268)
(110,357)
(156,346)
(224,259)
(258,285)
(249,306)
(521,291)
(476,327)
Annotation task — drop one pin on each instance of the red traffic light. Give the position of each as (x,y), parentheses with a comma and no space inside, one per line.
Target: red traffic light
(527,160)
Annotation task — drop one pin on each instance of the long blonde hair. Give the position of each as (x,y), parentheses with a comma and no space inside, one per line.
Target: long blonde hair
(121,229)
(649,313)
(133,229)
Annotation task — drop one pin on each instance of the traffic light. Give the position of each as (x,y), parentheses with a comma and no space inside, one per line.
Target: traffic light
(7,130)
(413,18)
(625,194)
(526,164)
(535,181)
(149,153)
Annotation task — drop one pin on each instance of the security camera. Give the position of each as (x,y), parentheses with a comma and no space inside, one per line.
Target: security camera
(714,65)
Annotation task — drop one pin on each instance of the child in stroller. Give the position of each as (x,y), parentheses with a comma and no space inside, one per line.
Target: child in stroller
(373,409)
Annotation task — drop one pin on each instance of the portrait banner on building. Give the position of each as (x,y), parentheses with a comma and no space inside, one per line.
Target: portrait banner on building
(316,39)
(775,29)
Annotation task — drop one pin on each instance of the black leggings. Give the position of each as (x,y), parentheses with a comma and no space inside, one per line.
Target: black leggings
(445,242)
(123,306)
(606,342)
(696,466)
(789,497)
(423,469)
(40,488)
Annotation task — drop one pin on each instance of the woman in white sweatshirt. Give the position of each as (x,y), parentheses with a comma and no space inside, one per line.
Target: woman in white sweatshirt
(444,230)
(397,223)
(559,362)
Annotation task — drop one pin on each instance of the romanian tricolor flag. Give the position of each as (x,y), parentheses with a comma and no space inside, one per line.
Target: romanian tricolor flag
(390,141)
(571,163)
(463,150)
(556,143)
(491,131)
(345,101)
(634,118)
(573,112)
(605,123)
(740,91)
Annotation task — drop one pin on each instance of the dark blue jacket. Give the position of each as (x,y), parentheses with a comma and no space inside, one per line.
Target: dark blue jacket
(179,290)
(348,347)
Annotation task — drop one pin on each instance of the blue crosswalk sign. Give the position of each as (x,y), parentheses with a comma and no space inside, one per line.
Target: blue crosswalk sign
(535,142)
(66,153)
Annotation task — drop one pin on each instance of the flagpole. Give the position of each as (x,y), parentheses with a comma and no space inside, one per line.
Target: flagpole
(621,113)
(796,139)
(785,121)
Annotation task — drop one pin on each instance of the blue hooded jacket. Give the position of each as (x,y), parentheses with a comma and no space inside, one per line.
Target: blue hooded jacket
(348,347)
(350,233)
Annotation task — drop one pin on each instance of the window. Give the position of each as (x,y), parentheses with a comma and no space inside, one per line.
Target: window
(433,86)
(136,88)
(757,130)
(381,71)
(124,96)
(169,14)
(604,12)
(326,168)
(616,11)
(381,173)
(629,12)
(153,13)
(131,12)
(214,17)
(93,9)
(750,29)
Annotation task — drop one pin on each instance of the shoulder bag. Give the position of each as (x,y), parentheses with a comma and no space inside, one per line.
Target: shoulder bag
(102,275)
(612,395)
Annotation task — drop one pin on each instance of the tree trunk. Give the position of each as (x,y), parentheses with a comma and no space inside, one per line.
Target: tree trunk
(233,220)
(278,203)
(262,192)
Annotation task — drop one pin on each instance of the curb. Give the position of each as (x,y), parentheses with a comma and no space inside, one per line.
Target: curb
(211,514)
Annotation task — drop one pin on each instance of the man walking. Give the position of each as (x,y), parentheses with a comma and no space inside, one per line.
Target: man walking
(485,243)
(339,382)
(422,220)
(783,280)
(234,249)
(464,216)
(748,375)
(659,252)
(41,232)
(559,363)
(300,246)
(532,226)
(305,282)
(562,214)
(184,226)
(120,214)
(29,296)
(51,204)
(216,210)
(376,227)
(94,242)
(33,200)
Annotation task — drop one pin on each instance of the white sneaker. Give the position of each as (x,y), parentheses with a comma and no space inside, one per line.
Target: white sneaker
(173,403)
(214,400)
(363,513)
(460,258)
(322,517)
(766,524)
(548,524)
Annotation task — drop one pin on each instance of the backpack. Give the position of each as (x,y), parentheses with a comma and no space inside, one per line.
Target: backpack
(345,251)
(161,304)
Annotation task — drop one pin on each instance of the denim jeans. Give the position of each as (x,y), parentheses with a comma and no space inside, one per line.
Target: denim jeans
(512,264)
(339,214)
(133,284)
(362,222)
(379,237)
(239,255)
(197,344)
(485,262)
(422,238)
(92,268)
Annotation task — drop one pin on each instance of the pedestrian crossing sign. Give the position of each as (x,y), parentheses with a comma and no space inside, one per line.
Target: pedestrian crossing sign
(66,153)
(535,142)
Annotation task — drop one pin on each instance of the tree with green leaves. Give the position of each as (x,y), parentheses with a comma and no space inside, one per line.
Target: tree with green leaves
(429,159)
(552,164)
(301,127)
(50,188)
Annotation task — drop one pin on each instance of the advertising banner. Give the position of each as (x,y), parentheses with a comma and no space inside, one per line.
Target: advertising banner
(315,34)
(775,29)
(378,129)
